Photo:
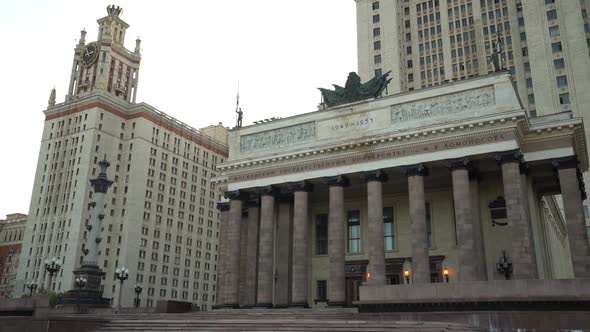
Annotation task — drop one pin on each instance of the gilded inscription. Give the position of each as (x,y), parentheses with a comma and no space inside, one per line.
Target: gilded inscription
(280,137)
(442,106)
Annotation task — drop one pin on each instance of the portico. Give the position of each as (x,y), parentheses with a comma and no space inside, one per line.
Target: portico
(323,202)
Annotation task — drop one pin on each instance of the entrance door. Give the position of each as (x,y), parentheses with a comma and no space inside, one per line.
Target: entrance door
(352,290)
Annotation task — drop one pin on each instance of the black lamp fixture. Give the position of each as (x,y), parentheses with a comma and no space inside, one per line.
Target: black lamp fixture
(504,265)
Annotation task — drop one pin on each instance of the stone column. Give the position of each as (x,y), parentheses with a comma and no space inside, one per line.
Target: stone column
(252,254)
(283,258)
(232,269)
(523,251)
(469,257)
(265,247)
(222,253)
(299,279)
(336,239)
(243,258)
(481,268)
(573,193)
(376,267)
(420,259)
(524,178)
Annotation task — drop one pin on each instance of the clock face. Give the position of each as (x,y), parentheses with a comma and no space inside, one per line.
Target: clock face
(89,54)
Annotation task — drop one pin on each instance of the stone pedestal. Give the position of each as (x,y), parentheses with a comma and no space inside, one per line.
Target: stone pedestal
(91,294)
(336,238)
(420,260)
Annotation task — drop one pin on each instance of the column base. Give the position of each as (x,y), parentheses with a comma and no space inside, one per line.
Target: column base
(263,305)
(336,304)
(227,306)
(299,305)
(247,306)
(281,306)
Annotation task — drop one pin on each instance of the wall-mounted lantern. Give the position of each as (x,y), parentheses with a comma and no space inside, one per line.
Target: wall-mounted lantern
(504,265)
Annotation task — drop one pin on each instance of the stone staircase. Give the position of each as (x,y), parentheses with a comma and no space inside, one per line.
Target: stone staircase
(272,320)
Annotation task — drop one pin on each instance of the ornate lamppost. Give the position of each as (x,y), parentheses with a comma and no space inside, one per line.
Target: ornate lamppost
(89,270)
(138,290)
(122,274)
(32,286)
(52,266)
(407,276)
(80,283)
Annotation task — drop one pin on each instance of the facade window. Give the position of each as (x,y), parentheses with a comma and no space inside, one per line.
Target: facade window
(552,15)
(354,231)
(376,32)
(377,45)
(376,18)
(321,234)
(559,63)
(527,67)
(529,82)
(322,290)
(531,99)
(377,59)
(556,47)
(554,31)
(549,1)
(523,36)
(564,98)
(561,81)
(375,5)
(378,72)
(388,229)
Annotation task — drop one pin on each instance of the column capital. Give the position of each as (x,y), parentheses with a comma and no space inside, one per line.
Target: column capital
(223,206)
(459,163)
(236,195)
(508,157)
(565,163)
(305,186)
(524,168)
(285,198)
(337,181)
(267,191)
(253,203)
(377,175)
(418,169)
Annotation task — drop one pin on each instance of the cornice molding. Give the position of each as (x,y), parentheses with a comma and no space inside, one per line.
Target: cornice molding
(337,181)
(304,186)
(236,195)
(512,156)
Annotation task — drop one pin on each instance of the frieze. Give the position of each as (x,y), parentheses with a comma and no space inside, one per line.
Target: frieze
(376,155)
(280,137)
(447,105)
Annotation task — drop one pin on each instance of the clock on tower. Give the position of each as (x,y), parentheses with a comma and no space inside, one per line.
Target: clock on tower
(105,65)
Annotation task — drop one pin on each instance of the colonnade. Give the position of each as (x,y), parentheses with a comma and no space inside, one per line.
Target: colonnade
(247,267)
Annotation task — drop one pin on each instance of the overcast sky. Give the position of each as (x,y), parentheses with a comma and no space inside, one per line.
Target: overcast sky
(194,53)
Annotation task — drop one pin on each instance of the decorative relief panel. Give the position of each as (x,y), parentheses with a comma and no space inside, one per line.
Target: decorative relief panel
(443,106)
(280,137)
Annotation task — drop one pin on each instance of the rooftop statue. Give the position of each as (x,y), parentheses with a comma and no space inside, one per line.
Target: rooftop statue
(354,90)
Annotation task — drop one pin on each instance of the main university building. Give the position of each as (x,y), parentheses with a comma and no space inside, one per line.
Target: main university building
(160,220)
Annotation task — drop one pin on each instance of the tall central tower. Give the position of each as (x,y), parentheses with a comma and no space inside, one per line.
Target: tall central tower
(105,65)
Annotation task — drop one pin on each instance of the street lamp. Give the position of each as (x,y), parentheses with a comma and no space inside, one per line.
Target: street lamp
(446,274)
(407,275)
(80,283)
(52,266)
(138,290)
(122,274)
(31,285)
